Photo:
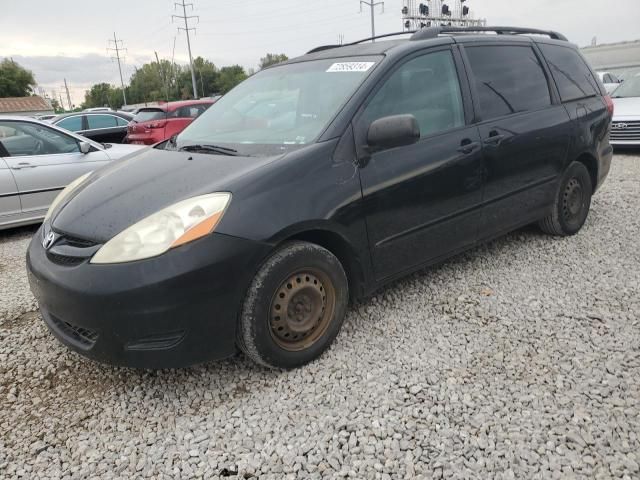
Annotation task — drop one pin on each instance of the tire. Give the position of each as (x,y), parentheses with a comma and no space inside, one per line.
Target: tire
(572,202)
(294,307)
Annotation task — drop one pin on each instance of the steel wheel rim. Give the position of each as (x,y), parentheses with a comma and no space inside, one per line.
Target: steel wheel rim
(573,200)
(301,309)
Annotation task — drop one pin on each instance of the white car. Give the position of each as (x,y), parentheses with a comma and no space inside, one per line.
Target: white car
(610,81)
(37,160)
(625,128)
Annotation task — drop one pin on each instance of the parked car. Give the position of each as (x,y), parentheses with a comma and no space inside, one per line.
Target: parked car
(253,232)
(37,160)
(625,130)
(46,117)
(610,81)
(156,124)
(105,127)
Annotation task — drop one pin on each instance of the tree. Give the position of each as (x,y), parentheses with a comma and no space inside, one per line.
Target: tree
(206,76)
(272,59)
(15,81)
(229,77)
(147,84)
(57,108)
(98,96)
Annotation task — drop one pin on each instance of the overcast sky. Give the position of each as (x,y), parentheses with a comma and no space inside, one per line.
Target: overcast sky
(68,38)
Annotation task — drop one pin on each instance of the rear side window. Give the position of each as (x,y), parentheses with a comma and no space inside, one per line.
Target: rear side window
(101,121)
(426,87)
(73,124)
(189,111)
(122,121)
(149,114)
(509,79)
(570,72)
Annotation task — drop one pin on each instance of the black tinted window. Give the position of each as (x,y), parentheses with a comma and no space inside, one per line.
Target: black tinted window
(426,87)
(101,121)
(570,72)
(508,80)
(73,124)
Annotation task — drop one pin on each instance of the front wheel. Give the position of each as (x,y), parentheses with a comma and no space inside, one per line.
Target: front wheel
(572,202)
(295,306)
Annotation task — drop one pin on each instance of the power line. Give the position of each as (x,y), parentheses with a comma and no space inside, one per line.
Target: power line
(187,29)
(117,47)
(372,5)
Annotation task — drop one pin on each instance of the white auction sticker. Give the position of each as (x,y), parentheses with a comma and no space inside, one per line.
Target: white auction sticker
(351,67)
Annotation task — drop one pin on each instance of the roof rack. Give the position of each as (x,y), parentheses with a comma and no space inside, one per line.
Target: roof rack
(433,32)
(386,35)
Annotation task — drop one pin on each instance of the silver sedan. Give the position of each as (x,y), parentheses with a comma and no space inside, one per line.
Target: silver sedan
(37,160)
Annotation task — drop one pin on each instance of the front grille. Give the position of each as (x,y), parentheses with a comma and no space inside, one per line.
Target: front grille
(65,260)
(70,251)
(621,130)
(78,242)
(83,337)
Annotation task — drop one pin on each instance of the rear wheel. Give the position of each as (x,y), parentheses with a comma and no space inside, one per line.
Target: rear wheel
(295,306)
(572,203)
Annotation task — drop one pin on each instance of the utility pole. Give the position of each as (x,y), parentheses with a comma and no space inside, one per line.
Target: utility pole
(118,48)
(163,76)
(173,63)
(187,29)
(372,5)
(66,87)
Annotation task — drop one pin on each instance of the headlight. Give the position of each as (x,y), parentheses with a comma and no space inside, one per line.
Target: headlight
(64,193)
(176,225)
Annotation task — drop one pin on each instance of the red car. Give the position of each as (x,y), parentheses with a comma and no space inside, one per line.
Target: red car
(156,124)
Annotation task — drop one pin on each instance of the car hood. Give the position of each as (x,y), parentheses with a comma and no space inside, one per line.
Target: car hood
(124,192)
(119,150)
(626,107)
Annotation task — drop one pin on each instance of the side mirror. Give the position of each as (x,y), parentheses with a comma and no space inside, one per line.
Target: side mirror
(85,147)
(393,131)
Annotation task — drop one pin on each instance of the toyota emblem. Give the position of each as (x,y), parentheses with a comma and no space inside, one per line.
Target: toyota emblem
(620,126)
(49,240)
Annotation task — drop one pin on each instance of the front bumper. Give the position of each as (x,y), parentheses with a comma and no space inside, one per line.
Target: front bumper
(625,143)
(171,311)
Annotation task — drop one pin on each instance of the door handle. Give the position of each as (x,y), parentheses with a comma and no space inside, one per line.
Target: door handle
(494,139)
(22,165)
(468,148)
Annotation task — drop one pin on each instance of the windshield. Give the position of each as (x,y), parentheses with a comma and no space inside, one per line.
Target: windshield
(281,108)
(149,114)
(629,88)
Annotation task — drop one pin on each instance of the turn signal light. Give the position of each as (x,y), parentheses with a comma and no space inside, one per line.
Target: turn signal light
(610,106)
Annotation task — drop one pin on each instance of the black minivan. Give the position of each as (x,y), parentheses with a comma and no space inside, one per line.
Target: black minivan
(316,181)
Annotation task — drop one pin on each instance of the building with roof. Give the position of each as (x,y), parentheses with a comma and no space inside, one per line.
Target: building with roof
(25,106)
(621,58)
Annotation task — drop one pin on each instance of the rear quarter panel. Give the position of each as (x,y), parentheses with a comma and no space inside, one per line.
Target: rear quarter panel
(174,126)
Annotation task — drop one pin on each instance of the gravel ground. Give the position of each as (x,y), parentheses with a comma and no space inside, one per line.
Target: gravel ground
(519,359)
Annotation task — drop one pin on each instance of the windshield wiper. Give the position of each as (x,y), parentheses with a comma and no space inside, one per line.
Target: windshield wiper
(210,148)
